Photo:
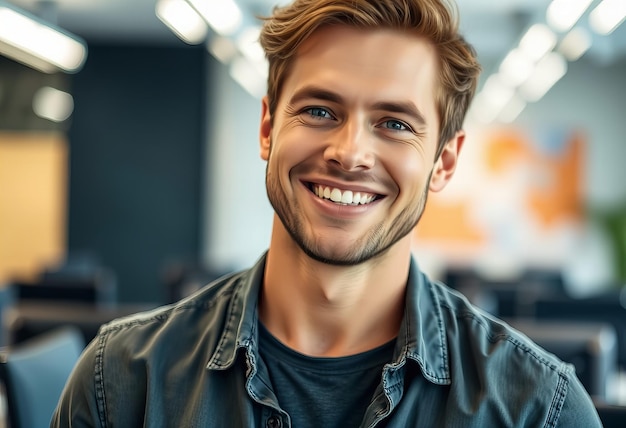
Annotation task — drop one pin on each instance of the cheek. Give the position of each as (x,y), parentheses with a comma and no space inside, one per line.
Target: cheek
(288,152)
(409,171)
(292,148)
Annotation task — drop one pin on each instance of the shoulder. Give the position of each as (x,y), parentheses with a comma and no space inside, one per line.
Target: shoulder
(490,358)
(470,325)
(148,353)
(186,318)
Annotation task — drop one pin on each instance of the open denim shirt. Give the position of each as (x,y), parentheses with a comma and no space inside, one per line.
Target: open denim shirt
(196,364)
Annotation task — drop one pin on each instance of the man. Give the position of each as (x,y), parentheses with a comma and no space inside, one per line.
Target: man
(335,326)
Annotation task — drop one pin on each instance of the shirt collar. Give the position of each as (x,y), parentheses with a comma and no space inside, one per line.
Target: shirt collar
(240,328)
(422,336)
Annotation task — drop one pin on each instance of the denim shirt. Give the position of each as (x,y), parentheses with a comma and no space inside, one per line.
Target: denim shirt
(196,364)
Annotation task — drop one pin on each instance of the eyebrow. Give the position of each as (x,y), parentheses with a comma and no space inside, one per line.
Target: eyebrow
(316,92)
(403,107)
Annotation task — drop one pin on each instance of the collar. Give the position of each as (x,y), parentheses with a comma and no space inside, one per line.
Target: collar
(240,328)
(422,335)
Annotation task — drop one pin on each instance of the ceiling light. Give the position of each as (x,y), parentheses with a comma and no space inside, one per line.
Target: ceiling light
(564,14)
(224,16)
(222,48)
(516,67)
(38,44)
(512,110)
(493,97)
(537,41)
(497,91)
(607,16)
(547,72)
(248,44)
(482,111)
(53,104)
(183,20)
(575,44)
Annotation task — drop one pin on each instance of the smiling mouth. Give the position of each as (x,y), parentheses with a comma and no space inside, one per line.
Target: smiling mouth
(343,197)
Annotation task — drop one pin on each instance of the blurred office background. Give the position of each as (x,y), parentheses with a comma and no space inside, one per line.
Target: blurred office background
(130,175)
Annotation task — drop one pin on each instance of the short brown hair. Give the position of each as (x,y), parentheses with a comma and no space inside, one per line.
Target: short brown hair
(436,20)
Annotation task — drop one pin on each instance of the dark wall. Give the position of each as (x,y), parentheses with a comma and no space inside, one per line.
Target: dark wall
(18,85)
(136,152)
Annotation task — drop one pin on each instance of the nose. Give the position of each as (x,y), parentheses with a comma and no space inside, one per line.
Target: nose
(351,147)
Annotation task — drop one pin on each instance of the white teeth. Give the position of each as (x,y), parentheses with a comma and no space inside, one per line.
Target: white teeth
(346,197)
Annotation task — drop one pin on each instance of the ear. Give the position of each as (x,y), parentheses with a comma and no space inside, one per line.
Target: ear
(445,165)
(265,129)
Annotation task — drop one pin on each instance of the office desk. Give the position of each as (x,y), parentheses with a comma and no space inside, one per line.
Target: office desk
(27,319)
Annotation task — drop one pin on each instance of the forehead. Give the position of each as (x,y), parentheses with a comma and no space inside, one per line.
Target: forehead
(366,64)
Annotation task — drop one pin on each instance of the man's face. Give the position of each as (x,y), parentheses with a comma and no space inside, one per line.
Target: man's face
(351,150)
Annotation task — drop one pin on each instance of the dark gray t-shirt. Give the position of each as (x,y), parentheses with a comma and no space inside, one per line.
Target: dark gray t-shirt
(323,392)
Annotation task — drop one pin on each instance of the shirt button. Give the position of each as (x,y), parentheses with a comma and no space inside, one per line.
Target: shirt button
(274,422)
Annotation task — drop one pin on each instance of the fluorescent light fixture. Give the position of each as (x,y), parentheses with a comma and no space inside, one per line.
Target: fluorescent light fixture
(183,20)
(538,41)
(547,72)
(493,97)
(516,67)
(607,16)
(248,44)
(512,110)
(562,15)
(37,44)
(482,111)
(575,44)
(497,92)
(222,48)
(53,104)
(224,16)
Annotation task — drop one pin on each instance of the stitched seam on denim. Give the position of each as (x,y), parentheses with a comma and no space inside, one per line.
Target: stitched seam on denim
(557,402)
(532,353)
(116,326)
(442,330)
(99,380)
(161,315)
(562,370)
(215,359)
(494,338)
(442,343)
(429,375)
(382,412)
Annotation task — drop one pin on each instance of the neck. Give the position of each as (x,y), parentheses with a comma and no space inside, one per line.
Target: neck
(327,310)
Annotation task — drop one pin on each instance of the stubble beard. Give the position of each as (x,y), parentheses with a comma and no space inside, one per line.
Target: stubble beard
(372,245)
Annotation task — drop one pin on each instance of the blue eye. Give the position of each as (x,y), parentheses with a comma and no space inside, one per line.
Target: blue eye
(395,125)
(319,113)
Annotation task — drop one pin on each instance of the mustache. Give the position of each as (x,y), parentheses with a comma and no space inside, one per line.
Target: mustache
(338,173)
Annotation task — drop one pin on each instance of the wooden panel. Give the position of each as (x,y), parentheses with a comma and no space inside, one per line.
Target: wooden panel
(33,202)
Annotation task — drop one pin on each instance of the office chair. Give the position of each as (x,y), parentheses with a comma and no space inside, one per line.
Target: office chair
(34,374)
(97,285)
